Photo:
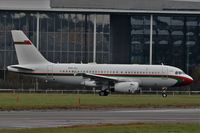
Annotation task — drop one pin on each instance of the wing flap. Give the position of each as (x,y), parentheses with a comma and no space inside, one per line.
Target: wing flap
(102,78)
(98,77)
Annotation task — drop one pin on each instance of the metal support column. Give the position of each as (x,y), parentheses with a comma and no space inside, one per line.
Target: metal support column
(38,30)
(188,59)
(94,38)
(151,39)
(37,43)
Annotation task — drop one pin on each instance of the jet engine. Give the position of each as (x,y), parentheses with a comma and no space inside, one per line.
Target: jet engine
(130,87)
(89,83)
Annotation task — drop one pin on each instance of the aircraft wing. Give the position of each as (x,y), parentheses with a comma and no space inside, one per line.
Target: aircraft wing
(103,78)
(99,77)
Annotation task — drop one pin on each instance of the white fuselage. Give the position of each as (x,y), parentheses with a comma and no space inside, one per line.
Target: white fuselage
(145,75)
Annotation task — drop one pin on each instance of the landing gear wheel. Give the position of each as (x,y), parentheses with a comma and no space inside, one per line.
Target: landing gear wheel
(164,94)
(103,93)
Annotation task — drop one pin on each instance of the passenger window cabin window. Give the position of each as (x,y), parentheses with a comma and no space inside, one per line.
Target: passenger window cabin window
(179,72)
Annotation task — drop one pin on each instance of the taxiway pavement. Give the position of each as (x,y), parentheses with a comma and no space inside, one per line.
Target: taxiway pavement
(56,118)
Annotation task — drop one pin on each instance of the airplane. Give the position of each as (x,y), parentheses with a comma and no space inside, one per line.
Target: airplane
(107,77)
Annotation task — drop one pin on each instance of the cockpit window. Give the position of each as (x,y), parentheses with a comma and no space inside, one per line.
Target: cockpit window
(179,72)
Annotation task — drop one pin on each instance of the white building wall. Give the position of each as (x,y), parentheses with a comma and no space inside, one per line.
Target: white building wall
(24,4)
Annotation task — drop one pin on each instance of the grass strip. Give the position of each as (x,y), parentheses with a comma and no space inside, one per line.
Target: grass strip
(21,101)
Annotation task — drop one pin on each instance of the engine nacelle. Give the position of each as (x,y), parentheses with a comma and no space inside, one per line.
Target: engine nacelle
(130,87)
(89,83)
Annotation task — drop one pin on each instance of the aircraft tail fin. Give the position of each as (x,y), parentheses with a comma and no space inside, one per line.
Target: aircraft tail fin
(27,53)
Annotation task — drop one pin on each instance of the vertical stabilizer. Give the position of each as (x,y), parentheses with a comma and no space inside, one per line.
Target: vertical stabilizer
(26,51)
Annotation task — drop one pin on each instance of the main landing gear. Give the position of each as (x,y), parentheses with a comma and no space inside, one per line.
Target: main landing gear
(105,90)
(104,93)
(164,92)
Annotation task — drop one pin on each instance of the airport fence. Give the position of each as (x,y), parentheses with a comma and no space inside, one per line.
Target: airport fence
(76,91)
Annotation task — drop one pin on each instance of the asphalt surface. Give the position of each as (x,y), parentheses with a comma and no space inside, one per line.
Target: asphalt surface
(56,118)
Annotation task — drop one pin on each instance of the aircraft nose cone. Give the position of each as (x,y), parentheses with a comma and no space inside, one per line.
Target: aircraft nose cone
(188,80)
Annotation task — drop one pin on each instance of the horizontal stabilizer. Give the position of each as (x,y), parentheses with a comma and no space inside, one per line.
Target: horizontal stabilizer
(20,67)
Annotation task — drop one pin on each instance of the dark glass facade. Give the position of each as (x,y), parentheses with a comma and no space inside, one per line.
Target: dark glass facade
(68,37)
(63,37)
(140,36)
(175,40)
(9,21)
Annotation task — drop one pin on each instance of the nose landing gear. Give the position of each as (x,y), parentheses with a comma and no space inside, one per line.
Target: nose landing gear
(164,92)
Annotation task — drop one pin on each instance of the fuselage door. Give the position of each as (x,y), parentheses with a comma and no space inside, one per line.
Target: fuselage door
(164,72)
(50,72)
